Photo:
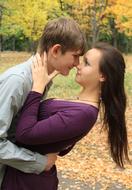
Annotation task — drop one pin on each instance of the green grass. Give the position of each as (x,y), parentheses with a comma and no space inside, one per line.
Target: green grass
(64,87)
(128,83)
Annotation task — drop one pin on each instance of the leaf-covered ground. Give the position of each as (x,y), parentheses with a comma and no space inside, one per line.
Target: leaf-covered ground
(88,166)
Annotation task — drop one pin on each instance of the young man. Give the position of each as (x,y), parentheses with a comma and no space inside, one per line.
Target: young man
(63,42)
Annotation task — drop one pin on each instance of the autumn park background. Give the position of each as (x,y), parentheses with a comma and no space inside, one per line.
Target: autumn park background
(88,166)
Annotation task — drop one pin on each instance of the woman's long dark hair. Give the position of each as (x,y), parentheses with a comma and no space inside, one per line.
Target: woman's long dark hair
(112,66)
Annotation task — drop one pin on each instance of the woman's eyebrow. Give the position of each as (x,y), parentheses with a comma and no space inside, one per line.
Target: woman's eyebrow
(84,58)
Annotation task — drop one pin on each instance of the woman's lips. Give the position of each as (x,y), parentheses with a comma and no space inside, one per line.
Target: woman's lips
(78,73)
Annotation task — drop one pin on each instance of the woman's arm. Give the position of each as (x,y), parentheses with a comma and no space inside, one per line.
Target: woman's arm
(61,126)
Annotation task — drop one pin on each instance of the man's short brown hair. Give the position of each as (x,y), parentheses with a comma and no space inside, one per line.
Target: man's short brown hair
(64,31)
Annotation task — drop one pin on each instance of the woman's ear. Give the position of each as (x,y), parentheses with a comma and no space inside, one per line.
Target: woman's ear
(102,78)
(55,50)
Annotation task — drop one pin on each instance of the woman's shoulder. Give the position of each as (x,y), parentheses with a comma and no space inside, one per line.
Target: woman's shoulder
(73,113)
(64,104)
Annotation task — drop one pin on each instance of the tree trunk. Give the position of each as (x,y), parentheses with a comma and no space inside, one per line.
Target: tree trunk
(98,7)
(94,23)
(114,32)
(61,4)
(13,43)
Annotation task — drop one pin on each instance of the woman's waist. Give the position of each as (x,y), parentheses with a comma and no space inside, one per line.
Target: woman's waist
(13,171)
(52,171)
(49,148)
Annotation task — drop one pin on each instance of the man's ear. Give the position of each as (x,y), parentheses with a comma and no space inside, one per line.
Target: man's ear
(56,50)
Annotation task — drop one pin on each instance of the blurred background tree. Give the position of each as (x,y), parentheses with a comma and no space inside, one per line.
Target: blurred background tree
(22,21)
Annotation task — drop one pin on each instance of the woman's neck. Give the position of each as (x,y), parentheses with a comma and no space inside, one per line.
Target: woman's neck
(89,95)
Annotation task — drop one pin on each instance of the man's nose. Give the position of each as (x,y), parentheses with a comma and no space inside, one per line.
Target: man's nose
(76,62)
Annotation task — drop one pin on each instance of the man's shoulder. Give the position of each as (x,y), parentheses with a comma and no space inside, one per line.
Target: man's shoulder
(21,70)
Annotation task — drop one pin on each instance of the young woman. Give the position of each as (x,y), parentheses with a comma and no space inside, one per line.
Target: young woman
(55,125)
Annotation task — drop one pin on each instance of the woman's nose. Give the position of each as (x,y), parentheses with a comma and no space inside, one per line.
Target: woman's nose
(79,66)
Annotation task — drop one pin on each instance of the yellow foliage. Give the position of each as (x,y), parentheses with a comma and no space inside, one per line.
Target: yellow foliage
(29,15)
(84,11)
(122,12)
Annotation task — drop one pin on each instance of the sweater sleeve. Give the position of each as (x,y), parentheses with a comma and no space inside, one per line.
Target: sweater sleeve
(67,150)
(60,126)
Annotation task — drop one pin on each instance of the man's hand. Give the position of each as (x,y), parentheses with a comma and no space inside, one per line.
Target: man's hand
(52,157)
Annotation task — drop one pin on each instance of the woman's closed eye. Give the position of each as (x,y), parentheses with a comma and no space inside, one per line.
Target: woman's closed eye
(86,61)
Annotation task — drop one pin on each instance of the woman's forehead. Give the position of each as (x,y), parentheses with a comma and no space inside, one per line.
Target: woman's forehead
(93,53)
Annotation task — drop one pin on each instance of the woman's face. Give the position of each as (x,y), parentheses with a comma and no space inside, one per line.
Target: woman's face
(88,73)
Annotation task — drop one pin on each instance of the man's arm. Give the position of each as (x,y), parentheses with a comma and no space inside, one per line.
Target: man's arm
(12,96)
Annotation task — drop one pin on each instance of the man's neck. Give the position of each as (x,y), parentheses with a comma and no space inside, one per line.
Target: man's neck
(50,69)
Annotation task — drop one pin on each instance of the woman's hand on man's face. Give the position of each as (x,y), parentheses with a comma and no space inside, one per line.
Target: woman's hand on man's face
(40,73)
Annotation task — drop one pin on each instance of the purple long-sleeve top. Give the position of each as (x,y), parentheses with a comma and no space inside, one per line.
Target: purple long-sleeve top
(50,126)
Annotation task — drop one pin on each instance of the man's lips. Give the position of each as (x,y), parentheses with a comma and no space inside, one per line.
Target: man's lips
(70,68)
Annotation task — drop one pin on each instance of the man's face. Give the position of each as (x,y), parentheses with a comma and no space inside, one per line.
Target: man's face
(65,62)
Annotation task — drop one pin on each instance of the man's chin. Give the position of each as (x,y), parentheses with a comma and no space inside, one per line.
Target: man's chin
(65,73)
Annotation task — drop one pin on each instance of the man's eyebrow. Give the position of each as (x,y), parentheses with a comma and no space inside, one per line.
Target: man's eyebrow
(78,53)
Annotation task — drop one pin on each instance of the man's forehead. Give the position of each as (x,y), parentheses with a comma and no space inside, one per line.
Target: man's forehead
(75,52)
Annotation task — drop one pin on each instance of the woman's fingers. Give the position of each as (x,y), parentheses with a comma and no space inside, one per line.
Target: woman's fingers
(45,61)
(35,62)
(40,70)
(38,60)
